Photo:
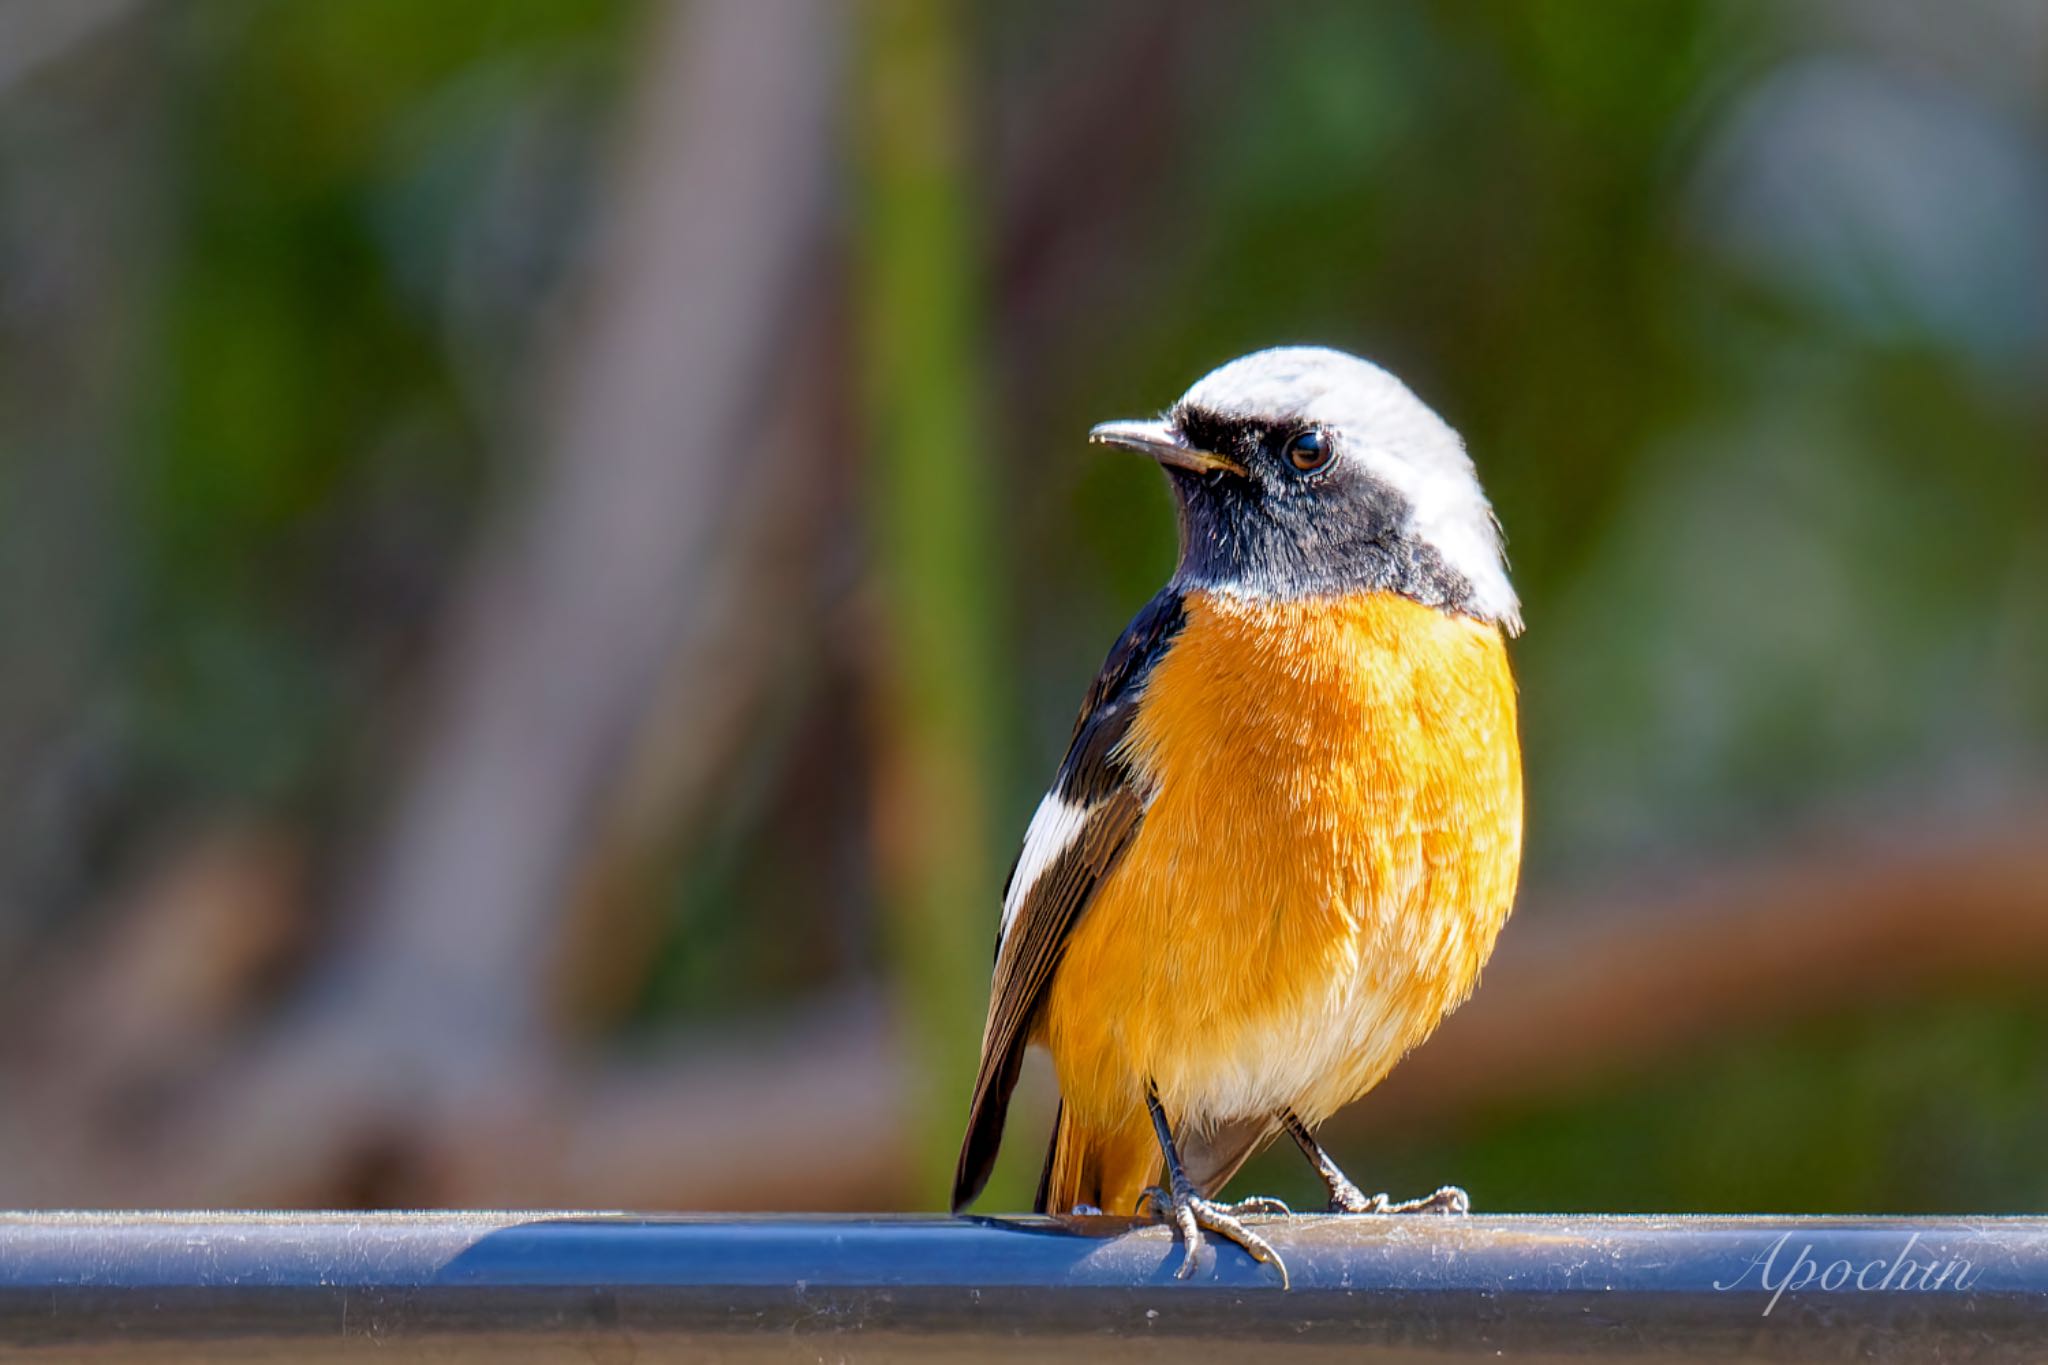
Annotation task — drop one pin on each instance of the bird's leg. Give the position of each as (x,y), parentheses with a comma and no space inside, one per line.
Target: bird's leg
(1191,1213)
(1346,1197)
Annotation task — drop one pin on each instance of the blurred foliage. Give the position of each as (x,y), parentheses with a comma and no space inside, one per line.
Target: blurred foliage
(363,201)
(1778,508)
(932,538)
(1741,522)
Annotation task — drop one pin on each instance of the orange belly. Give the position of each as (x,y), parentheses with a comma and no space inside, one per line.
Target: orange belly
(1331,852)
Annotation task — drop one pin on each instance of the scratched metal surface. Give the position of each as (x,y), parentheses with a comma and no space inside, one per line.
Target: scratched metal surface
(615,1287)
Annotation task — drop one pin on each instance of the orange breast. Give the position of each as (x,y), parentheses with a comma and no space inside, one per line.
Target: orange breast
(1331,852)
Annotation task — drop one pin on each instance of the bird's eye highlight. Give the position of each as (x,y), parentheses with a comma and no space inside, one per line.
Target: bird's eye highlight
(1308,450)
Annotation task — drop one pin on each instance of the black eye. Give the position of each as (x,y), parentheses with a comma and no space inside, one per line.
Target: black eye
(1308,450)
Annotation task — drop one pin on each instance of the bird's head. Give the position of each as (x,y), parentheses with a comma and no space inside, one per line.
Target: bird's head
(1302,471)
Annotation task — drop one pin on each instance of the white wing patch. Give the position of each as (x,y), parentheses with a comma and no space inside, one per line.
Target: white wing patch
(1054,828)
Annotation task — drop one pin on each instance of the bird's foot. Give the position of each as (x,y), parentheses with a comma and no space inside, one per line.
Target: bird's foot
(1192,1214)
(1346,1198)
(1161,1200)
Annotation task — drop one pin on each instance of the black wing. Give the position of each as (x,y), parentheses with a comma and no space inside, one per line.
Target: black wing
(1097,804)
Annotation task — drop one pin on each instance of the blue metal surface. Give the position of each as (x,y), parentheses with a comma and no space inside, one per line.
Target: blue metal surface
(510,1286)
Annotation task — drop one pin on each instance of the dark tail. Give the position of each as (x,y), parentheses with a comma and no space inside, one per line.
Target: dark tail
(984,1138)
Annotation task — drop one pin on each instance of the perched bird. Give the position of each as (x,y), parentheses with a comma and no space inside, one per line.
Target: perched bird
(1289,822)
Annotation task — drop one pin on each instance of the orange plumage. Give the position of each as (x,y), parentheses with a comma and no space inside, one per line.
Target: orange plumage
(1331,851)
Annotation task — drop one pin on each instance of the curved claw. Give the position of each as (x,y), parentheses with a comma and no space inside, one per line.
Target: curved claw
(1448,1199)
(1191,1214)
(1190,1237)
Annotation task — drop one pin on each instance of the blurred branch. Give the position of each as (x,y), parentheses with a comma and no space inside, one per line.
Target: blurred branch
(754,617)
(805,1112)
(1576,994)
(434,1007)
(34,33)
(564,635)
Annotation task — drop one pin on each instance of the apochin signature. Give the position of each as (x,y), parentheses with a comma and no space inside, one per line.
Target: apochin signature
(1900,1273)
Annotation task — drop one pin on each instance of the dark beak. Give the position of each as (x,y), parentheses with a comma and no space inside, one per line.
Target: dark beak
(1164,444)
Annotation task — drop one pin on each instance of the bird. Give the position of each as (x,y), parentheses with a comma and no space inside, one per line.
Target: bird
(1287,828)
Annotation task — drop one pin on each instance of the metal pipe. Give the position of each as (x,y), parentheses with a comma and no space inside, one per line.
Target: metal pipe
(611,1286)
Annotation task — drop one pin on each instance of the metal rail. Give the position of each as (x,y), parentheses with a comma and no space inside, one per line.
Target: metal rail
(607,1286)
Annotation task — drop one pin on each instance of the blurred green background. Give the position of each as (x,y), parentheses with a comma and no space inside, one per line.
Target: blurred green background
(546,552)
